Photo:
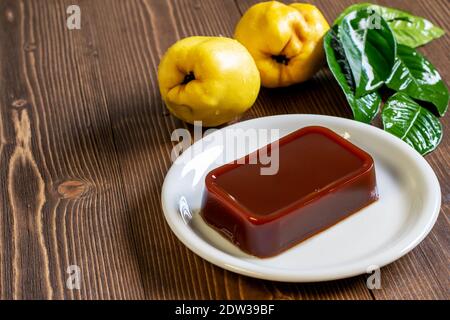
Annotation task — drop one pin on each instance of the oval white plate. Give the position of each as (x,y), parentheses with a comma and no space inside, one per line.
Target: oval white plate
(408,207)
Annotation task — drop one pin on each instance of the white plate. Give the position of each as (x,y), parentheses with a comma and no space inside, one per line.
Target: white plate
(408,207)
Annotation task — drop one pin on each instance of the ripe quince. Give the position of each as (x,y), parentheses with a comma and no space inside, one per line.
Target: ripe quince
(208,79)
(284,40)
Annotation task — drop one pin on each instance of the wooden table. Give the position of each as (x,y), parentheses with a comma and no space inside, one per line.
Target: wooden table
(85,145)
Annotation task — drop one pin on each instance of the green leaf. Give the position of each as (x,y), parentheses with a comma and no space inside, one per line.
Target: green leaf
(416,76)
(408,29)
(370,49)
(415,125)
(364,108)
(354,7)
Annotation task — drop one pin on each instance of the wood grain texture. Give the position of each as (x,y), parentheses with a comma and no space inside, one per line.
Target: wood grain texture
(85,145)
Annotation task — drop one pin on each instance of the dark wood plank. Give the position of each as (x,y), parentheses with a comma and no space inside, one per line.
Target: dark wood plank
(61,198)
(85,145)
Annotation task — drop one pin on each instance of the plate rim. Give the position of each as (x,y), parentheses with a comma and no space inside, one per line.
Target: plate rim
(224,260)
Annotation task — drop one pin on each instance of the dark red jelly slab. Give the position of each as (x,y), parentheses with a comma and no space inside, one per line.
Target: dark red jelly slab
(322,179)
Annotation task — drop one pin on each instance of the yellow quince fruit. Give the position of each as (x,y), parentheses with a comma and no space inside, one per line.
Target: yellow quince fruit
(208,79)
(284,40)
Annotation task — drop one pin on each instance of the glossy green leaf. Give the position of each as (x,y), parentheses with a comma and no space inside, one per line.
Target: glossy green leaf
(415,125)
(408,29)
(364,108)
(416,76)
(370,49)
